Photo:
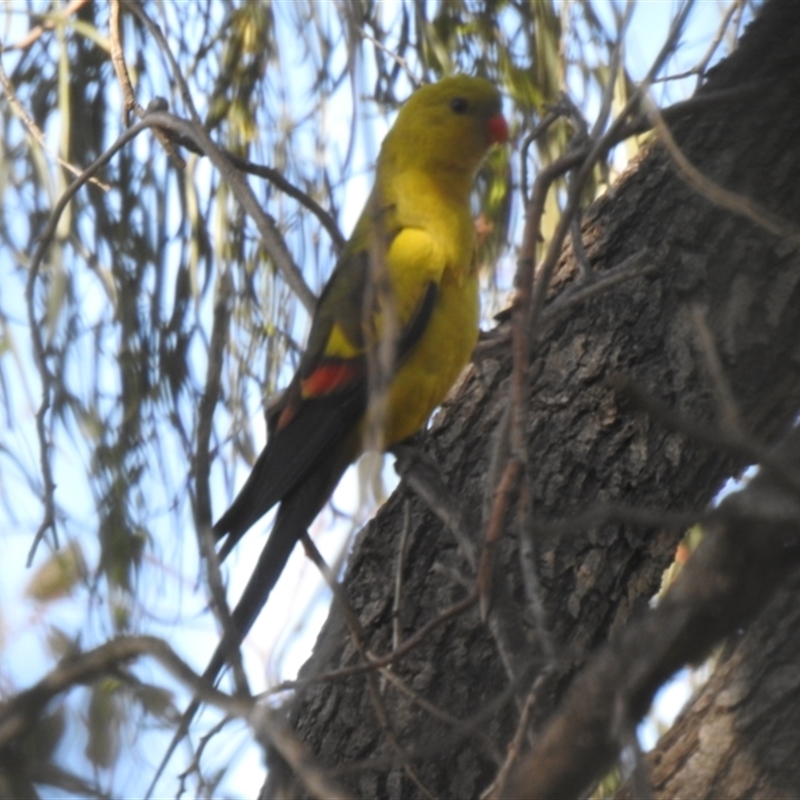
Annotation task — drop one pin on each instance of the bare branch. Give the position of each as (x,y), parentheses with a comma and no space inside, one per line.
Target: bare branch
(19,713)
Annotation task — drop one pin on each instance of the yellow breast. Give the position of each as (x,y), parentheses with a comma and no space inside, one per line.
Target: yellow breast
(435,244)
(432,367)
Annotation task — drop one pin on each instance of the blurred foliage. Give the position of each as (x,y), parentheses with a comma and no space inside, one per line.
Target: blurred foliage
(609,786)
(58,576)
(126,295)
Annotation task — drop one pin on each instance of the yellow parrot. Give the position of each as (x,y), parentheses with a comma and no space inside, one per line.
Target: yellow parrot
(408,270)
(394,326)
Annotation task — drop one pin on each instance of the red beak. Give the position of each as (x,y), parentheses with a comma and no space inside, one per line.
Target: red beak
(498,129)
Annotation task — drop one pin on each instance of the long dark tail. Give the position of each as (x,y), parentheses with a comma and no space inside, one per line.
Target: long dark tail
(311,445)
(296,512)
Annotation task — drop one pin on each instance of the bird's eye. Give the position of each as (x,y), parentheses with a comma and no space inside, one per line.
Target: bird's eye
(460,105)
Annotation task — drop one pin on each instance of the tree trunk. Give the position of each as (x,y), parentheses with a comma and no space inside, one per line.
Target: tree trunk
(585,445)
(739,737)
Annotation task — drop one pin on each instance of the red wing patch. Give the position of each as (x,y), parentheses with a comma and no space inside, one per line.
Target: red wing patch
(329,377)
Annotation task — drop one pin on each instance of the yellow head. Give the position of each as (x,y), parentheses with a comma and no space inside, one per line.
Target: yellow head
(446,126)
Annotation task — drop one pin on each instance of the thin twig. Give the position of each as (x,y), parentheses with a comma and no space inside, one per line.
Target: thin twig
(599,514)
(398,574)
(381,661)
(530,299)
(530,577)
(703,101)
(183,88)
(118,61)
(489,747)
(50,22)
(270,727)
(493,533)
(731,419)
(700,69)
(440,745)
(129,97)
(420,473)
(552,116)
(515,746)
(194,767)
(201,468)
(276,178)
(599,147)
(49,518)
(386,672)
(632,267)
(401,62)
(613,72)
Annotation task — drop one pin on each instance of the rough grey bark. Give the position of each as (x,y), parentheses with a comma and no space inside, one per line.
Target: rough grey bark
(585,445)
(739,737)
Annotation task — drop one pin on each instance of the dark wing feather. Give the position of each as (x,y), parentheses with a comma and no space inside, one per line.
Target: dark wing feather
(317,427)
(417,324)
